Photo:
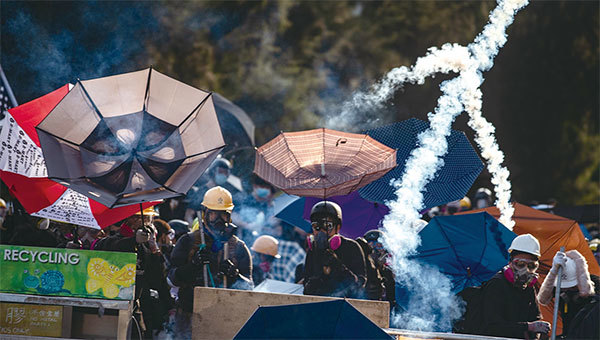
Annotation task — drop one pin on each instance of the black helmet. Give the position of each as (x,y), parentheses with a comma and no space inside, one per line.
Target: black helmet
(220,162)
(373,235)
(326,209)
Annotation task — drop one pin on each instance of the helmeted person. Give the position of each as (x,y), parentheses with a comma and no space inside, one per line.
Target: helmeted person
(483,198)
(335,265)
(578,304)
(265,250)
(509,303)
(137,234)
(190,254)
(381,258)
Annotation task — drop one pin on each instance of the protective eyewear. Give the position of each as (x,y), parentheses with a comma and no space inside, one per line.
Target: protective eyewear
(322,225)
(213,215)
(522,263)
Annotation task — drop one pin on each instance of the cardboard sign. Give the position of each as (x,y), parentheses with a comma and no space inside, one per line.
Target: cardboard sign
(67,272)
(32,320)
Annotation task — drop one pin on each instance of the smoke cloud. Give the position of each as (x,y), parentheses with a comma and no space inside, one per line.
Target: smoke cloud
(431,302)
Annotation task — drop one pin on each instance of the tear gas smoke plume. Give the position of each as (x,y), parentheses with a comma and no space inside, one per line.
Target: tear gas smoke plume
(431,302)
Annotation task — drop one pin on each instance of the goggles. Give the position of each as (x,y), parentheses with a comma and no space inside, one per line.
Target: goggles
(522,263)
(214,215)
(323,225)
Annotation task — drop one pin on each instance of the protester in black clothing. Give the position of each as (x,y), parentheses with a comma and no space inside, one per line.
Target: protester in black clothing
(335,265)
(374,289)
(509,304)
(380,257)
(576,293)
(35,234)
(212,246)
(152,296)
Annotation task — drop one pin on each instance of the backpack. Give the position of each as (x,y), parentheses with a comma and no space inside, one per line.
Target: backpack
(472,319)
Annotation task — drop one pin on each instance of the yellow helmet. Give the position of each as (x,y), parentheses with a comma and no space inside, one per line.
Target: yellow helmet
(218,198)
(2,203)
(148,212)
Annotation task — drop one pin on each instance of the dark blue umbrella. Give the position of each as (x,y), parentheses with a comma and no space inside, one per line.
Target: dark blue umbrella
(461,164)
(335,319)
(289,208)
(468,248)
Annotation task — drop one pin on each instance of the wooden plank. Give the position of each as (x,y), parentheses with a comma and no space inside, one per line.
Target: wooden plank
(64,301)
(221,313)
(67,321)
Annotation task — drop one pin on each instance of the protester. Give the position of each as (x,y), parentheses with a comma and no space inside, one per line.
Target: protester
(509,304)
(335,265)
(256,211)
(218,174)
(264,252)
(205,248)
(35,233)
(381,259)
(292,254)
(88,237)
(374,289)
(180,227)
(164,238)
(152,297)
(576,295)
(483,198)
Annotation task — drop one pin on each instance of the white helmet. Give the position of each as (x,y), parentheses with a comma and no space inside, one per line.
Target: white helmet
(527,244)
(569,275)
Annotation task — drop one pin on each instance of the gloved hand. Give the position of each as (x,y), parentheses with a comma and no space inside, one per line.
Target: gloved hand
(560,259)
(538,327)
(331,263)
(152,241)
(229,269)
(201,257)
(142,235)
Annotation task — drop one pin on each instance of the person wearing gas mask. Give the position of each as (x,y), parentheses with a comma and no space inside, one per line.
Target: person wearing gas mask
(137,234)
(212,245)
(509,301)
(265,250)
(335,265)
(381,258)
(577,296)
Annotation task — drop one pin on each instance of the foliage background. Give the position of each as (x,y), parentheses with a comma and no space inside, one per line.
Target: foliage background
(290,63)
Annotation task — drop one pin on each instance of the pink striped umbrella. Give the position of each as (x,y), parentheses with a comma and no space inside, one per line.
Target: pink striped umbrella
(322,162)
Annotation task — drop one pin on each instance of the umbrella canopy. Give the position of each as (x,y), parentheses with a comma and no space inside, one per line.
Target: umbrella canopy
(130,138)
(451,182)
(322,162)
(336,319)
(289,208)
(23,170)
(358,214)
(469,249)
(236,126)
(552,232)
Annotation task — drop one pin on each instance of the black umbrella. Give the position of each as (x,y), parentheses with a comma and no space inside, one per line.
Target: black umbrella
(130,138)
(236,126)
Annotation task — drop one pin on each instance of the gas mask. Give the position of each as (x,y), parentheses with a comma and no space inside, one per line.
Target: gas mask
(523,271)
(218,225)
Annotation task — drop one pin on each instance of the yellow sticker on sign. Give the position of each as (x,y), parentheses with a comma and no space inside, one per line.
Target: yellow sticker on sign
(32,320)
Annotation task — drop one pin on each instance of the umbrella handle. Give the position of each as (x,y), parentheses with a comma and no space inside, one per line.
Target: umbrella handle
(556,300)
(204,269)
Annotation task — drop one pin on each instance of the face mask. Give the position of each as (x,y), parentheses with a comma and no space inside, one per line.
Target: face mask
(220,179)
(523,276)
(265,266)
(262,192)
(481,204)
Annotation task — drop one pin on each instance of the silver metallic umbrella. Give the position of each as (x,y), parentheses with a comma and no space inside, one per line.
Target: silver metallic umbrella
(131,138)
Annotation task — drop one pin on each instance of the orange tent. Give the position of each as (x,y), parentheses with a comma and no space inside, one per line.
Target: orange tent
(553,232)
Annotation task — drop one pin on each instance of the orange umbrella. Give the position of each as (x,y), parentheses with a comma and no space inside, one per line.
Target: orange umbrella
(322,162)
(553,232)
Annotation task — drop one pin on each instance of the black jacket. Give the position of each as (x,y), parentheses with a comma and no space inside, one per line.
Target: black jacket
(507,309)
(339,272)
(186,275)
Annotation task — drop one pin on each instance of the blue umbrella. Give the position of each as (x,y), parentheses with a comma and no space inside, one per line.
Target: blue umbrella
(461,164)
(468,248)
(289,208)
(336,319)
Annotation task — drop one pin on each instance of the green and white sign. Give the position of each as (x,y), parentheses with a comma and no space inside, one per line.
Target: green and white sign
(67,272)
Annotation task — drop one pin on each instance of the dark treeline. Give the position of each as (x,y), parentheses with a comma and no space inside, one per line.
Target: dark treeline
(289,63)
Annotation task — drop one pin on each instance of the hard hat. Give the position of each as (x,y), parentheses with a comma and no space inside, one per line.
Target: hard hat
(2,203)
(483,193)
(527,244)
(148,212)
(267,245)
(326,209)
(218,198)
(465,203)
(373,235)
(569,275)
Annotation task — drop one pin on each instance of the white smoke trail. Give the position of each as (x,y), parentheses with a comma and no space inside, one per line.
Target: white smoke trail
(431,305)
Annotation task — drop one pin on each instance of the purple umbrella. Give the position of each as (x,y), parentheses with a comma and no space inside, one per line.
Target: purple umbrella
(358,214)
